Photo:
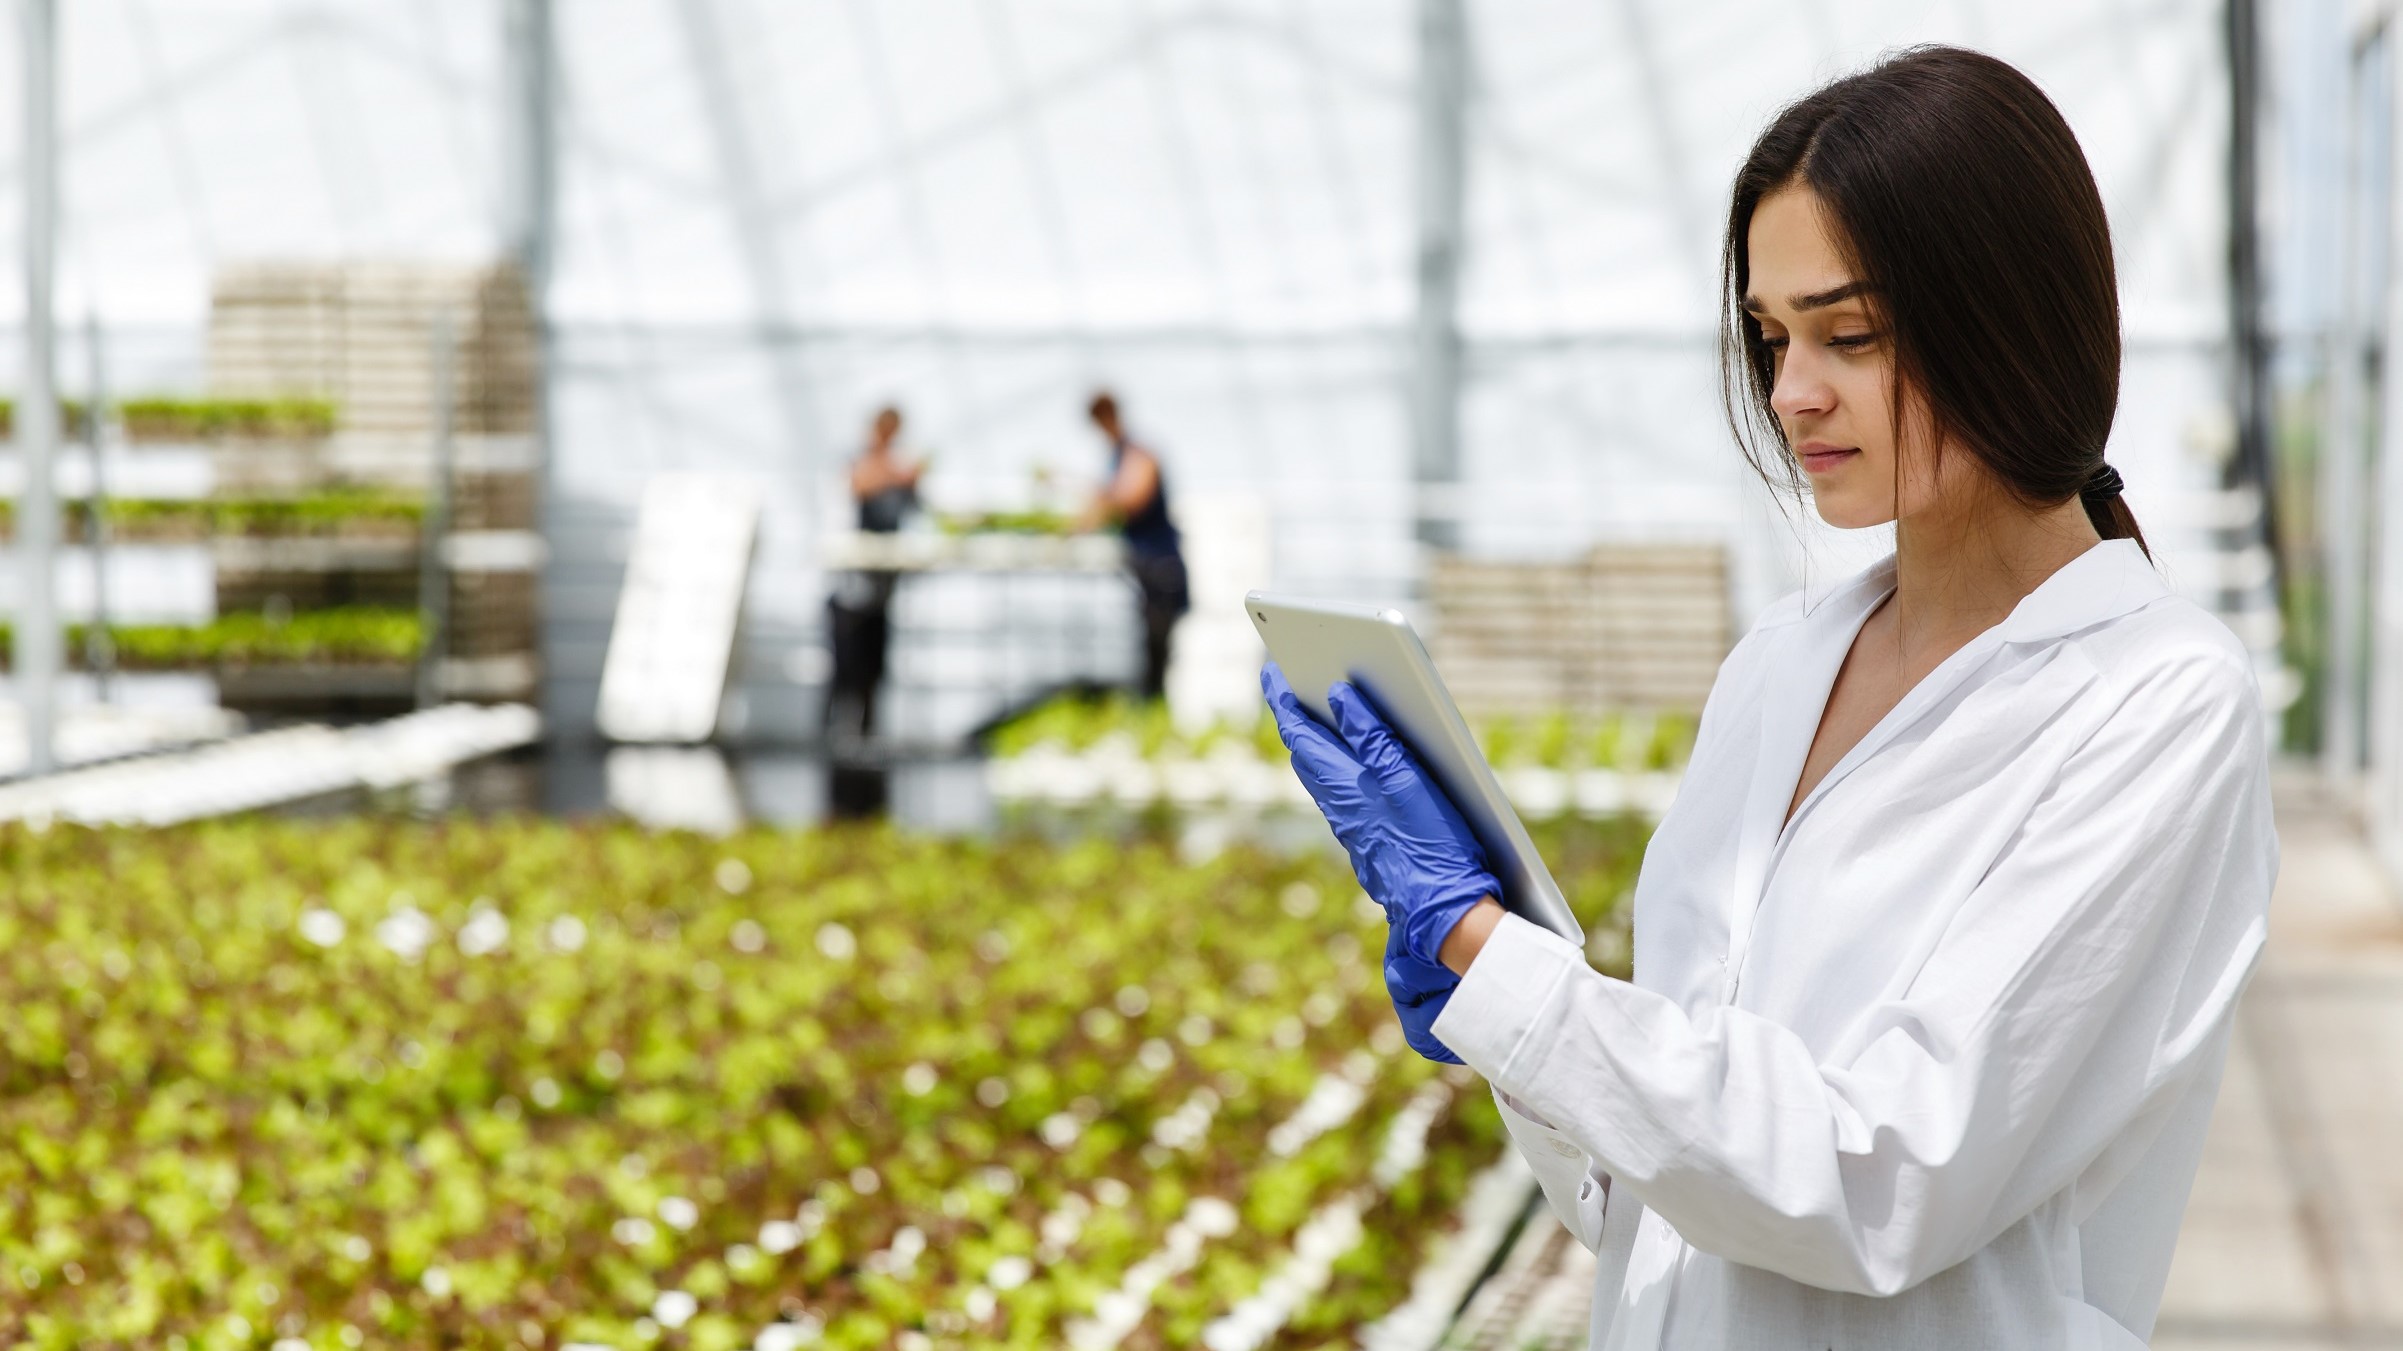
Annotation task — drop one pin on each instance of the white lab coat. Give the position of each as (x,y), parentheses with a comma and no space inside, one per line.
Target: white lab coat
(1930,1066)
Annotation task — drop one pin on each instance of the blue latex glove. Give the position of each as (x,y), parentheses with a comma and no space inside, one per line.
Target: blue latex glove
(1408,845)
(1419,993)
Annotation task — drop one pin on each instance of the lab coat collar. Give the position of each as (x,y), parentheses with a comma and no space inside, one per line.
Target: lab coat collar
(2109,580)
(1853,594)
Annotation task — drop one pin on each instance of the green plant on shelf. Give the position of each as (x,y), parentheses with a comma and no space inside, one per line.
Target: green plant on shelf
(319,513)
(1036,522)
(1559,741)
(1634,740)
(337,636)
(165,418)
(333,512)
(363,1082)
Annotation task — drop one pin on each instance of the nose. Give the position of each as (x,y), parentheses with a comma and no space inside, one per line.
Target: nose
(1800,389)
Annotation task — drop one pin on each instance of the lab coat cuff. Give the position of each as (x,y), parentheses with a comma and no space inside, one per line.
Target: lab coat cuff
(1522,1109)
(1578,1193)
(1504,994)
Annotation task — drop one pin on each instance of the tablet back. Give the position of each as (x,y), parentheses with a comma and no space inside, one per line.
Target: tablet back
(1318,643)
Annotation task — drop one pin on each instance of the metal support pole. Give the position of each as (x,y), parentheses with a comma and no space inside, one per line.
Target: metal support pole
(530,174)
(38,642)
(1435,368)
(533,196)
(99,645)
(433,566)
(757,246)
(2253,462)
(2383,711)
(2343,511)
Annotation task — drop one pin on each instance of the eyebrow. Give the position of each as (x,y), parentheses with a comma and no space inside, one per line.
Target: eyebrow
(1815,300)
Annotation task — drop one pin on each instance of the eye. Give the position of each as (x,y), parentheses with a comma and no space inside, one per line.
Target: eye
(1852,342)
(1775,343)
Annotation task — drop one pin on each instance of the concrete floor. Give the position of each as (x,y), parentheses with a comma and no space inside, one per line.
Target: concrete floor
(2294,1238)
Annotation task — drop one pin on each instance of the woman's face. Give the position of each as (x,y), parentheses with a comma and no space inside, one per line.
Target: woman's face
(1835,388)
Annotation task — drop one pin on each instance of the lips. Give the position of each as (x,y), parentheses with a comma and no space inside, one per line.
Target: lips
(1820,459)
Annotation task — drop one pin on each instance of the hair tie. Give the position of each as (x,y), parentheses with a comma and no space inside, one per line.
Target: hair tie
(2102,484)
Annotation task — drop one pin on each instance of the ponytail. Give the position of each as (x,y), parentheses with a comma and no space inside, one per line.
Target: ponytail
(2107,507)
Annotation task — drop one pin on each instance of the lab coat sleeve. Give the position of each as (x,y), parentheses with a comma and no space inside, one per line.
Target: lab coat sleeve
(2086,977)
(1572,1186)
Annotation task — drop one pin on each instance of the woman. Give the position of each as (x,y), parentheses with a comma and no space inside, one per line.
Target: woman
(1937,948)
(859,614)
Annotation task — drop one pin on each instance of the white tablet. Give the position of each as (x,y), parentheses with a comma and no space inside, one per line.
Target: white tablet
(1318,643)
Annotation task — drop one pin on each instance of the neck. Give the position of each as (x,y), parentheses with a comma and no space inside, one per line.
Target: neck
(1959,572)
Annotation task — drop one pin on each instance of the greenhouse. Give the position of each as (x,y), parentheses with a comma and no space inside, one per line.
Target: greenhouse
(635,633)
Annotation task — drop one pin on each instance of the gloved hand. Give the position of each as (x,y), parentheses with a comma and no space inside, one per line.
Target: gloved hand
(1419,993)
(1408,845)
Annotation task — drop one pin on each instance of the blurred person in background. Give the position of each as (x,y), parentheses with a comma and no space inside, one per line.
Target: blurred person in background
(1938,948)
(1136,500)
(884,490)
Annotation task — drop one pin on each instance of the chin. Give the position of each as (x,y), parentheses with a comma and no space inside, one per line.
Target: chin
(1844,515)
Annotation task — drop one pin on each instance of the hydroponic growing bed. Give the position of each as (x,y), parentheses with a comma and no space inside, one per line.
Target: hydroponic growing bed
(365,1083)
(1076,752)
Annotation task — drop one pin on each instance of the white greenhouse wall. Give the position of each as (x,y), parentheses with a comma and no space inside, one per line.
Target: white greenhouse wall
(772,217)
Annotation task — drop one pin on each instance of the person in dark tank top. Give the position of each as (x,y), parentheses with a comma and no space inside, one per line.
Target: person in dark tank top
(859,613)
(1135,499)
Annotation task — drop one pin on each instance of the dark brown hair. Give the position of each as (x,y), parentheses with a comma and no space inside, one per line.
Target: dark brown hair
(1962,200)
